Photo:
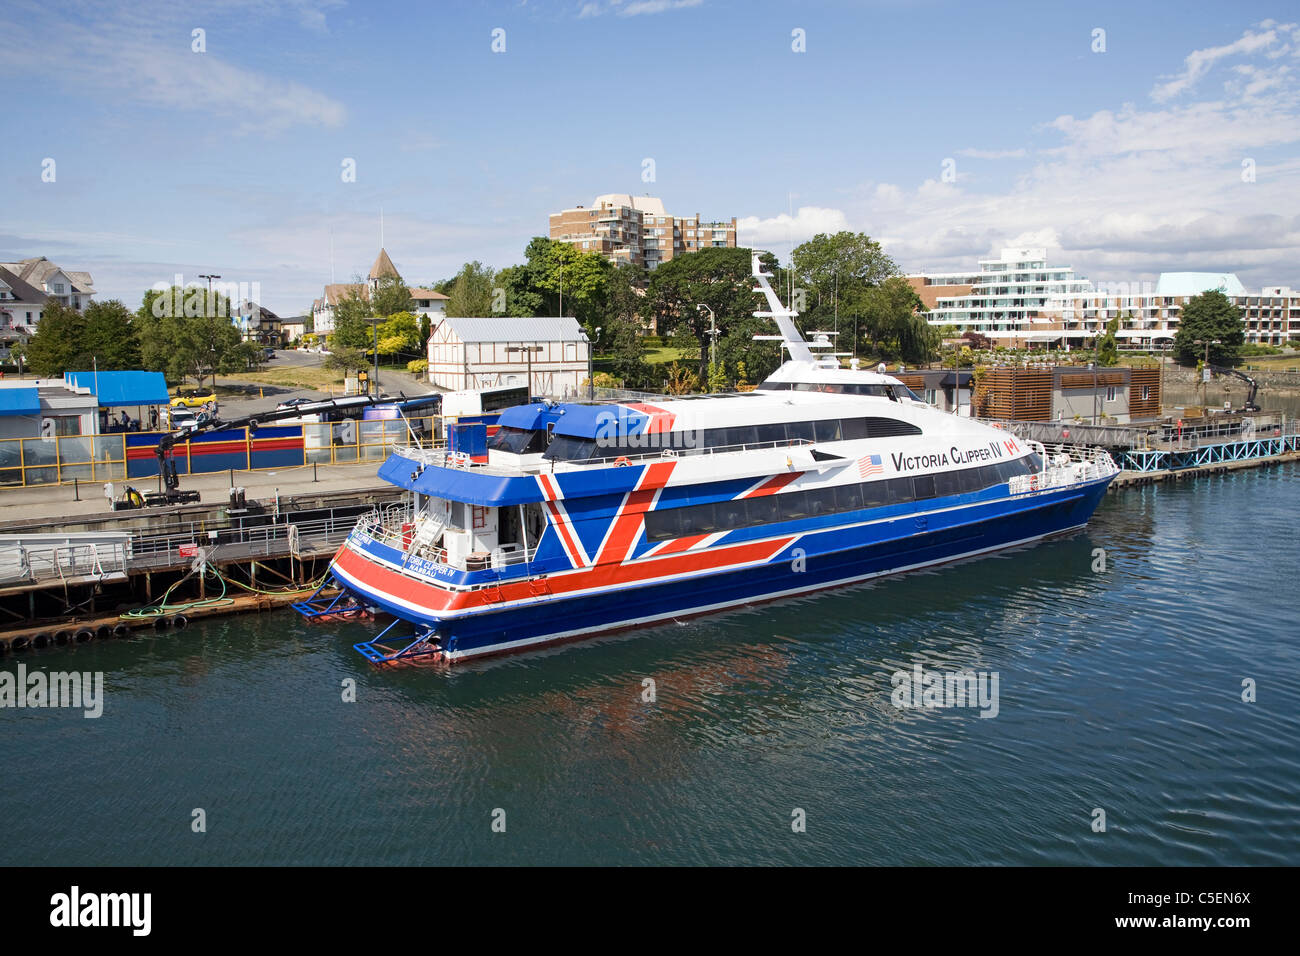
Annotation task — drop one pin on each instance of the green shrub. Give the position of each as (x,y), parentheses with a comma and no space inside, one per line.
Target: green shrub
(417,366)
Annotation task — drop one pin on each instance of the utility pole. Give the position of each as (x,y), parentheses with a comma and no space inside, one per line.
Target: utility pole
(713,333)
(212,336)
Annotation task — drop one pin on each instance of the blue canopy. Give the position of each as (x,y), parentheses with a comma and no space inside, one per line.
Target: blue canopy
(122,388)
(20,401)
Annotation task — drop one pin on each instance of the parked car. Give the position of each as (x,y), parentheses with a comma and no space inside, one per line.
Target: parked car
(179,417)
(193,396)
(294,403)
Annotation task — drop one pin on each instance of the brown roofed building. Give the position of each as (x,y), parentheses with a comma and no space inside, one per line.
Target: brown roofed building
(427,301)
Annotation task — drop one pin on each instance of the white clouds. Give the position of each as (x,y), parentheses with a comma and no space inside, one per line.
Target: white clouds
(807,222)
(1199,62)
(993,153)
(1128,192)
(143,55)
(635,8)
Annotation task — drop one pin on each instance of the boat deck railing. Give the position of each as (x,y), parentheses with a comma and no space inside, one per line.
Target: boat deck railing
(1065,465)
(397,527)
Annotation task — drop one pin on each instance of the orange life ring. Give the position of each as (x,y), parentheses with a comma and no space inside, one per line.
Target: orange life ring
(621,461)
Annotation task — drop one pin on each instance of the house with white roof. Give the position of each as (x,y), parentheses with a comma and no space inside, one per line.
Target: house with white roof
(550,355)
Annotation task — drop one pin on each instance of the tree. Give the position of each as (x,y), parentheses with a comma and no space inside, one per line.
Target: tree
(347,360)
(110,336)
(351,330)
(620,327)
(471,291)
(57,346)
(554,272)
(843,259)
(1107,350)
(186,332)
(719,278)
(390,296)
(893,322)
(399,333)
(1205,318)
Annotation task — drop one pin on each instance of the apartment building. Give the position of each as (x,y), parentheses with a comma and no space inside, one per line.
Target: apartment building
(637,229)
(1019,300)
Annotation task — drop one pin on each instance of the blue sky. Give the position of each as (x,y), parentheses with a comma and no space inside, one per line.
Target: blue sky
(1124,163)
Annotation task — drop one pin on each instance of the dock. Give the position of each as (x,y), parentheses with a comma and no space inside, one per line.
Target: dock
(1154,453)
(74,571)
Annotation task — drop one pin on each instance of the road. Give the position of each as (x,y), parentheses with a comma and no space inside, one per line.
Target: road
(391,381)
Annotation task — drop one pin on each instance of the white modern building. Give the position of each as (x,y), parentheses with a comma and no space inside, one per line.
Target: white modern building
(1019,300)
(551,355)
(426,301)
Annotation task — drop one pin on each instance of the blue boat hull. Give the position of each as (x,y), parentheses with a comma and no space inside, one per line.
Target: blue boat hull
(814,561)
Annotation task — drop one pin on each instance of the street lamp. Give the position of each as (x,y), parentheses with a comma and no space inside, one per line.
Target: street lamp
(713,333)
(374,321)
(591,366)
(212,335)
(529,350)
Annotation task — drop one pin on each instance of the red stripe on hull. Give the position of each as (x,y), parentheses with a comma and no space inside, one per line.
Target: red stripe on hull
(434,599)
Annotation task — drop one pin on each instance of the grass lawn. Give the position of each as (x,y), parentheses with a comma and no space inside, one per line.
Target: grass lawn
(662,356)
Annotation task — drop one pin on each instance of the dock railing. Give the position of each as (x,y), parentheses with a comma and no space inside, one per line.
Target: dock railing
(37,558)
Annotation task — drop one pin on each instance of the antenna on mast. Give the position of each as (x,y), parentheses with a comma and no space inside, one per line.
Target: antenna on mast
(783,317)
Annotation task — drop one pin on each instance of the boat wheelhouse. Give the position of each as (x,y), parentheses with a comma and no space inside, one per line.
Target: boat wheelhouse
(593,517)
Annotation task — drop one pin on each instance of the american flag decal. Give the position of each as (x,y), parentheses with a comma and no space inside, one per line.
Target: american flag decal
(870,465)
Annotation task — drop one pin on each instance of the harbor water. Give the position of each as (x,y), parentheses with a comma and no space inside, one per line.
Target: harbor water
(769,735)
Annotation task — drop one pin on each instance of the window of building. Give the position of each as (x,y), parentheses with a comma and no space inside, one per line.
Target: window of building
(1110,393)
(1146,392)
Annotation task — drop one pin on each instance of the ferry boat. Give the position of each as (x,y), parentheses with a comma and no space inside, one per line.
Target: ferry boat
(588,518)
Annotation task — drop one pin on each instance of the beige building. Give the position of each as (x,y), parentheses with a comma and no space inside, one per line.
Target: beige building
(637,229)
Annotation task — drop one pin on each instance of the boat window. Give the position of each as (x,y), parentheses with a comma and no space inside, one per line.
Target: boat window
(571,448)
(949,483)
(853,428)
(771,432)
(799,430)
(828,429)
(518,441)
(875,494)
(899,490)
(730,514)
(848,497)
(923,486)
(762,510)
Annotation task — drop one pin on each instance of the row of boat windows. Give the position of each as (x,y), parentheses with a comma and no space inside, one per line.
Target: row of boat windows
(793,505)
(894,392)
(570,448)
